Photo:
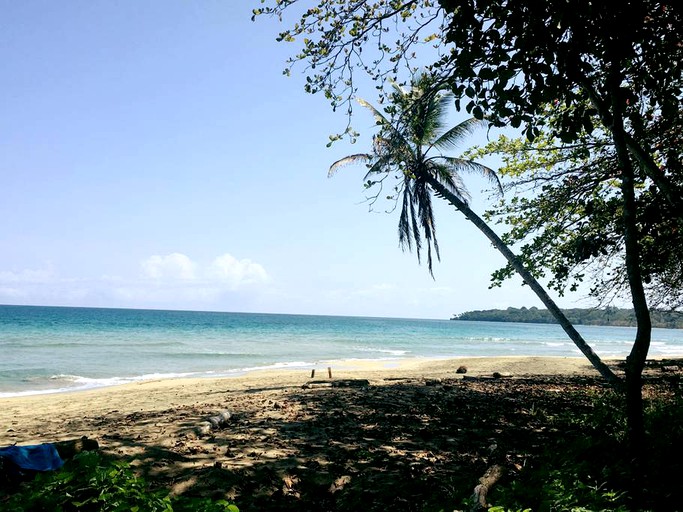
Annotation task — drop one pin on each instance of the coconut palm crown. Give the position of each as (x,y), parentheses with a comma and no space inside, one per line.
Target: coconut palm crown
(410,145)
(411,148)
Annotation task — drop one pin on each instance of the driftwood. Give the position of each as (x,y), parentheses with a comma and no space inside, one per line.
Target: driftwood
(342,383)
(316,384)
(213,423)
(350,383)
(486,482)
(493,376)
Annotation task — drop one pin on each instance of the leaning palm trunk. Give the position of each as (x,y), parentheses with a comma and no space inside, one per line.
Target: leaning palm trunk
(441,191)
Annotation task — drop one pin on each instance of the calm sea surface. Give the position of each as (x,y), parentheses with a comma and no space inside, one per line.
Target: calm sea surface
(48,349)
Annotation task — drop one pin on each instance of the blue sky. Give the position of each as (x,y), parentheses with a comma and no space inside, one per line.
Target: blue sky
(152,155)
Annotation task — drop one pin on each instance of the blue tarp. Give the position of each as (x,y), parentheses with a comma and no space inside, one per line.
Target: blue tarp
(39,457)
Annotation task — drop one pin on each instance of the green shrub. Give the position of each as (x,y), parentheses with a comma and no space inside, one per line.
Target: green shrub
(588,468)
(91,483)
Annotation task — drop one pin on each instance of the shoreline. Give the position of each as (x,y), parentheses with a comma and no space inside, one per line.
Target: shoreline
(346,368)
(283,371)
(67,415)
(38,418)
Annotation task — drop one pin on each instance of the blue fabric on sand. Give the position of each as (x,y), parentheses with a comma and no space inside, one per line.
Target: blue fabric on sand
(39,457)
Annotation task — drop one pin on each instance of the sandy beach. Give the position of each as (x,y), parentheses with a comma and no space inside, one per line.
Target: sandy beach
(290,439)
(37,418)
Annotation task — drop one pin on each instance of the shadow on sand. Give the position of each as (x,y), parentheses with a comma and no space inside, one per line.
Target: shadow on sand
(406,445)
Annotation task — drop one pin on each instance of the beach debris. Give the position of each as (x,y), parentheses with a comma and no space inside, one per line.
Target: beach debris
(289,483)
(670,368)
(486,482)
(220,420)
(433,382)
(317,384)
(67,449)
(477,378)
(203,429)
(216,422)
(329,374)
(461,369)
(22,463)
(351,383)
(339,484)
(482,378)
(342,383)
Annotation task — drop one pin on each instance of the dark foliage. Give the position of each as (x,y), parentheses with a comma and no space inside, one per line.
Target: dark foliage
(578,316)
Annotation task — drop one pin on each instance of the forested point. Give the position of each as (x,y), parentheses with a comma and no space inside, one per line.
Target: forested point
(577,316)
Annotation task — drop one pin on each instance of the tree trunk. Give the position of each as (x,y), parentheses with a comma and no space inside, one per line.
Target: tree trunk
(635,362)
(529,279)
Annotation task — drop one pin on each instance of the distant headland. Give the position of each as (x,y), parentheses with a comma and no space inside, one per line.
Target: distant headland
(606,316)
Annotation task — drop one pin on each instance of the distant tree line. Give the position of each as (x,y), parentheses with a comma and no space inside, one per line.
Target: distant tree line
(607,316)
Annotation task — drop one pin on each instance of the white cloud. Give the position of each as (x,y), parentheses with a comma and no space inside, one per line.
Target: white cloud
(224,271)
(28,276)
(236,272)
(174,278)
(171,280)
(40,286)
(171,266)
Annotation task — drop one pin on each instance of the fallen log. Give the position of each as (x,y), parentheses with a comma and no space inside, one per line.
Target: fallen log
(216,422)
(342,383)
(486,482)
(350,383)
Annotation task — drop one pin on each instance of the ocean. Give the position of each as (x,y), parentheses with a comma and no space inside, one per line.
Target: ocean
(54,349)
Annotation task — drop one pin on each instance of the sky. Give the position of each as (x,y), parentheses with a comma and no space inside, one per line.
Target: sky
(153,155)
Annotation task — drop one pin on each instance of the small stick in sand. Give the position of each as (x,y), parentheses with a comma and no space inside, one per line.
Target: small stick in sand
(312,373)
(329,371)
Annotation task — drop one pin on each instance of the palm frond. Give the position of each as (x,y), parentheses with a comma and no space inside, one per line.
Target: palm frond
(409,226)
(398,90)
(385,124)
(454,137)
(439,107)
(382,165)
(459,165)
(423,199)
(348,160)
(379,117)
(439,103)
(450,179)
(405,234)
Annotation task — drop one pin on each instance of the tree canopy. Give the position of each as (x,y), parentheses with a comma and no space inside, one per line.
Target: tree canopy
(605,79)
(566,212)
(507,59)
(578,316)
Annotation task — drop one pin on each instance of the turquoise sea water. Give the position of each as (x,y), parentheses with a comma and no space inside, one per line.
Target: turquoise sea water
(48,349)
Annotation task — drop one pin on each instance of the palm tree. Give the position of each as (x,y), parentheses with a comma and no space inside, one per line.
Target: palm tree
(410,148)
